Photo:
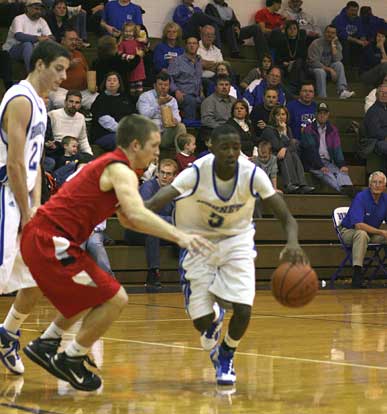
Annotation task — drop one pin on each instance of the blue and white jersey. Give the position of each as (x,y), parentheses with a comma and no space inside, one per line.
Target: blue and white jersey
(202,209)
(35,132)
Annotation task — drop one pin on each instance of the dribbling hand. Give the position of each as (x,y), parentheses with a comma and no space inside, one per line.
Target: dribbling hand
(294,254)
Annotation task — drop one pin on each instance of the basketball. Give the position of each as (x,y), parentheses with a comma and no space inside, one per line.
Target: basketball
(294,285)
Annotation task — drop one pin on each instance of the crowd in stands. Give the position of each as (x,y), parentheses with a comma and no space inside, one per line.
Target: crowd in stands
(185,81)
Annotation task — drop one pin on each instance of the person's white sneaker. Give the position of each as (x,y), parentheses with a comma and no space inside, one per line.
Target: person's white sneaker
(345,94)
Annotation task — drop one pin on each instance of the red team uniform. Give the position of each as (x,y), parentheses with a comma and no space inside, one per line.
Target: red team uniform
(50,243)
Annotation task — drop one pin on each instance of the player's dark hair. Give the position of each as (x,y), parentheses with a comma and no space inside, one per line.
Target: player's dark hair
(133,127)
(48,51)
(221,132)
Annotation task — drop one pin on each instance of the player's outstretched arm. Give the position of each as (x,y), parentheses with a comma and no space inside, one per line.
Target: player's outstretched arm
(292,251)
(164,196)
(134,215)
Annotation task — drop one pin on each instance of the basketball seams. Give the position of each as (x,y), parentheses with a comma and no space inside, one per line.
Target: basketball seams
(299,282)
(283,282)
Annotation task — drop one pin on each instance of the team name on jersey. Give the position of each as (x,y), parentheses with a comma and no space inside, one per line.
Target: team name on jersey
(38,129)
(233,208)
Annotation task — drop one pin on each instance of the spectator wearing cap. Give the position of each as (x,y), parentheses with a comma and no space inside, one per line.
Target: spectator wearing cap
(374,62)
(25,31)
(321,152)
(350,33)
(116,13)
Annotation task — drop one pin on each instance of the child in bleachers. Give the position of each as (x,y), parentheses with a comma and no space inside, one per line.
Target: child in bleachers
(131,41)
(259,72)
(70,147)
(187,145)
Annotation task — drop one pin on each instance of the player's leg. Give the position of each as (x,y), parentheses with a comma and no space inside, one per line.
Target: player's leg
(196,275)
(235,283)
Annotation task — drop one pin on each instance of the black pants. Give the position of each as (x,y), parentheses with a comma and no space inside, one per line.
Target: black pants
(291,169)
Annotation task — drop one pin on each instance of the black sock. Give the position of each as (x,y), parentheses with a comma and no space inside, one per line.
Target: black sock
(227,348)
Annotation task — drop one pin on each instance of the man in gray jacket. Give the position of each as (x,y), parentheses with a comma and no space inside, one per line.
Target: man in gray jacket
(324,58)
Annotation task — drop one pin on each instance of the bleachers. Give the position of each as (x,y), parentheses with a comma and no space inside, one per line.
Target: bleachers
(313,212)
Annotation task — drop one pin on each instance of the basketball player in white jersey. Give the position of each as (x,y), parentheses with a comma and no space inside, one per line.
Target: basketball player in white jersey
(23,119)
(215,198)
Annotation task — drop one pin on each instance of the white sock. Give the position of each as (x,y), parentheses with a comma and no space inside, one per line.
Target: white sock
(232,343)
(74,349)
(52,332)
(14,320)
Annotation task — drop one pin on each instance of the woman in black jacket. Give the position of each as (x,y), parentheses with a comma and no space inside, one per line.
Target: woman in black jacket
(110,106)
(290,54)
(284,146)
(240,121)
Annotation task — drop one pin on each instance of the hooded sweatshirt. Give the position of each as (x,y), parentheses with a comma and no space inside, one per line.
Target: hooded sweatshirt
(348,27)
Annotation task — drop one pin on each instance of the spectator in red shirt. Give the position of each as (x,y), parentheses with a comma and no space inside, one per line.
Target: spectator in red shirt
(187,145)
(268,18)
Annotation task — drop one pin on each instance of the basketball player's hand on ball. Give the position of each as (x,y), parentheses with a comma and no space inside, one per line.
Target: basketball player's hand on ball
(196,244)
(293,253)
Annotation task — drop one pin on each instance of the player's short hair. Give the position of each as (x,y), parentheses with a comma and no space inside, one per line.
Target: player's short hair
(73,92)
(223,131)
(169,162)
(67,139)
(48,51)
(133,127)
(183,139)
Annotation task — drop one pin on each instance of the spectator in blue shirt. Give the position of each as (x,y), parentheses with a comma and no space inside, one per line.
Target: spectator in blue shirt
(350,33)
(190,18)
(166,174)
(371,24)
(302,111)
(169,48)
(117,13)
(362,223)
(186,79)
(273,81)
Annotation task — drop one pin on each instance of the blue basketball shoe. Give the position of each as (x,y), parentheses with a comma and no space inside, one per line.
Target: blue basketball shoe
(9,351)
(223,362)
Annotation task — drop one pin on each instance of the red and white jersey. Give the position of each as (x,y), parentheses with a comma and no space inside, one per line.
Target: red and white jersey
(80,205)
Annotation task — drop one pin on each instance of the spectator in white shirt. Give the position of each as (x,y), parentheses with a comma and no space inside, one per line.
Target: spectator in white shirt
(209,53)
(153,102)
(67,121)
(25,31)
(371,97)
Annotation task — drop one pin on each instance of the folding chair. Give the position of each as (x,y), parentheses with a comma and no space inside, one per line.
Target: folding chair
(376,248)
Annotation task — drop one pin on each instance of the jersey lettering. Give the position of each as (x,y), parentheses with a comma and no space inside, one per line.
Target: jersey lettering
(215,220)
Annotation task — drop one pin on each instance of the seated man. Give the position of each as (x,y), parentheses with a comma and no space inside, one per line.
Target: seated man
(186,79)
(209,53)
(306,21)
(268,18)
(166,173)
(273,81)
(191,18)
(233,32)
(362,223)
(67,121)
(216,108)
(26,30)
(116,13)
(324,58)
(375,125)
(153,104)
(370,99)
(321,152)
(78,75)
(260,114)
(350,33)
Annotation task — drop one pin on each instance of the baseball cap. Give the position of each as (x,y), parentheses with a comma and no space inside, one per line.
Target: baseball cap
(322,106)
(34,3)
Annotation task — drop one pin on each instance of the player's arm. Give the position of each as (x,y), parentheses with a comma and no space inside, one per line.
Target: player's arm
(164,196)
(16,119)
(37,191)
(134,215)
(292,251)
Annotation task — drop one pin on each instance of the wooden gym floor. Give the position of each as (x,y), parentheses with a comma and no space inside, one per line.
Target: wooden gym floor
(328,358)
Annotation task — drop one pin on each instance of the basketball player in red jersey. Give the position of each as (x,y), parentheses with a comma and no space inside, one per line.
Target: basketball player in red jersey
(65,273)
